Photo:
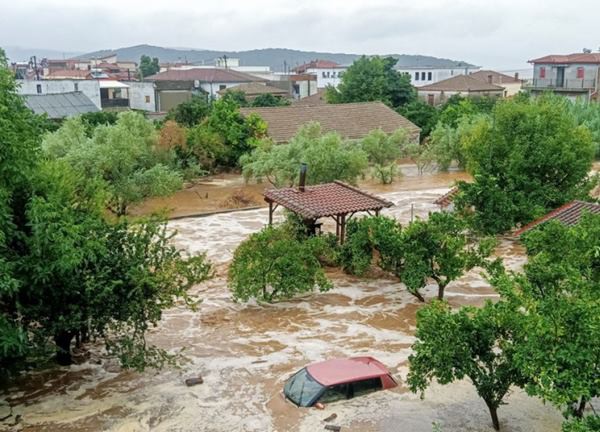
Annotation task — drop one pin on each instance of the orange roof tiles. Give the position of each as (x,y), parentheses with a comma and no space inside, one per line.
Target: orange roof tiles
(328,199)
(592,58)
(568,214)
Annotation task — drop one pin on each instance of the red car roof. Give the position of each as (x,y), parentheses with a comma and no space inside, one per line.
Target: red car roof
(339,371)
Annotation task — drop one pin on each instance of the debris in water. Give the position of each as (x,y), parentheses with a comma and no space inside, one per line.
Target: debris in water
(194,381)
(259,361)
(333,428)
(330,418)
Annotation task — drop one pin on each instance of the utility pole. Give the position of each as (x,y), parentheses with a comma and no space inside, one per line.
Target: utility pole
(225,60)
(35,67)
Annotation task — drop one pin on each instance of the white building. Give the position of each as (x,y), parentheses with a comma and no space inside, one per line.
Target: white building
(421,76)
(328,73)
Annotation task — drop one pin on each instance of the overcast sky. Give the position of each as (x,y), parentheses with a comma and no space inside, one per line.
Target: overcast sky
(492,33)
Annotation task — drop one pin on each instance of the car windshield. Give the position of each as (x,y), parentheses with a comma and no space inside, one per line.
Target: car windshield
(302,389)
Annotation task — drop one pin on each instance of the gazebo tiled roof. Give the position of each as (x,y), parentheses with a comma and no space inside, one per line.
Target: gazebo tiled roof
(568,214)
(328,199)
(447,199)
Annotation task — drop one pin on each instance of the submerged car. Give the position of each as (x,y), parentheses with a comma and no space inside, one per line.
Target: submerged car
(332,380)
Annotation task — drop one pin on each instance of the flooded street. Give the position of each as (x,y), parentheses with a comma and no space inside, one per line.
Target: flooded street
(245,352)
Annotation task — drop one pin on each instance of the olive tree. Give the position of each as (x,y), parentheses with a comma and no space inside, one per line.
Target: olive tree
(383,150)
(273,264)
(328,156)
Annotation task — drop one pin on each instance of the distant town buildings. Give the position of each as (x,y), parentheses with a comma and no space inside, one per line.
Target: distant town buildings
(327,73)
(571,75)
(464,85)
(423,75)
(512,84)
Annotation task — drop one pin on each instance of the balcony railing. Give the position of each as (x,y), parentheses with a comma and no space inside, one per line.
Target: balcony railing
(566,84)
(114,103)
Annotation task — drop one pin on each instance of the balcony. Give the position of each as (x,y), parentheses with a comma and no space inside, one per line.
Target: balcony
(115,103)
(582,85)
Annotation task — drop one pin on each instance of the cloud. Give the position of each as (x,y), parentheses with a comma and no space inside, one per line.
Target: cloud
(494,33)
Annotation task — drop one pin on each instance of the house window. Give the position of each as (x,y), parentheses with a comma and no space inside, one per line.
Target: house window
(422,76)
(147,99)
(39,88)
(416,76)
(222,87)
(324,74)
(580,72)
(76,86)
(542,72)
(429,76)
(340,74)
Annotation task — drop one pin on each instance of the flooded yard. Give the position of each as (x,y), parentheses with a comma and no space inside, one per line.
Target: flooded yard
(245,352)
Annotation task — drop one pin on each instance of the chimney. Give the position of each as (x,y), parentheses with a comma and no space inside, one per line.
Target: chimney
(302,184)
(516,76)
(490,78)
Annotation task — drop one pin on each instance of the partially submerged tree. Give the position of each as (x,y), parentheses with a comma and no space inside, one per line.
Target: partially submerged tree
(528,158)
(422,114)
(273,264)
(474,343)
(125,156)
(383,150)
(328,156)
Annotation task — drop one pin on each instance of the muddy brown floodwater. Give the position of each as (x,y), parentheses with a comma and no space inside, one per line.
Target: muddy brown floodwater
(245,352)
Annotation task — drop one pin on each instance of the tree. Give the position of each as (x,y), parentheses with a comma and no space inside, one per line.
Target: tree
(527,158)
(273,265)
(422,114)
(559,308)
(588,115)
(473,342)
(190,112)
(125,156)
(204,148)
(373,79)
(239,133)
(383,150)
(268,100)
(172,136)
(91,120)
(149,66)
(439,249)
(327,155)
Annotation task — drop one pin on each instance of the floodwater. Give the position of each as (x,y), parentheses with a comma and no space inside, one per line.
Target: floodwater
(245,352)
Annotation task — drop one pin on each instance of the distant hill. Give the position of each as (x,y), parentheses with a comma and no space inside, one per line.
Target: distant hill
(273,57)
(19,54)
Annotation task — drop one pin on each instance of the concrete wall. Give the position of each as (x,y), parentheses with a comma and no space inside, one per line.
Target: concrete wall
(428,76)
(327,76)
(90,88)
(141,95)
(590,76)
(213,88)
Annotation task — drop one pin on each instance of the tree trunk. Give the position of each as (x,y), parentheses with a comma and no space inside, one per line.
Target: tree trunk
(63,348)
(580,408)
(418,295)
(441,289)
(494,414)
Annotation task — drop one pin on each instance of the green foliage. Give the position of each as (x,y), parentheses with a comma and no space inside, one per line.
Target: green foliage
(383,150)
(448,144)
(124,156)
(191,112)
(474,343)
(92,120)
(327,155)
(268,100)
(239,134)
(527,158)
(204,148)
(148,66)
(589,423)
(588,115)
(272,264)
(373,79)
(236,96)
(422,114)
(458,107)
(559,299)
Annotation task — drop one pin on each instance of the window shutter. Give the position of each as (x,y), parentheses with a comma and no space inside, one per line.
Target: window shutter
(542,72)
(580,72)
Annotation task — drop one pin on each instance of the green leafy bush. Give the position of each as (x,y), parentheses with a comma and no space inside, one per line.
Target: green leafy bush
(272,265)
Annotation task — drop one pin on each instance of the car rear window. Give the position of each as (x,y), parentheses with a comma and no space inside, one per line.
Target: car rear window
(302,389)
(367,386)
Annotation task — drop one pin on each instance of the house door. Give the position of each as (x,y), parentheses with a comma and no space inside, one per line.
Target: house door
(560,76)
(431,99)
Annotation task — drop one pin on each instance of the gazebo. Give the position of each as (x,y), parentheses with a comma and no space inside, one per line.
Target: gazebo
(337,200)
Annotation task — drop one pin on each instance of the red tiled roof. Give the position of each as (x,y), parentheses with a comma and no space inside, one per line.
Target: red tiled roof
(328,199)
(568,214)
(447,199)
(317,99)
(351,120)
(211,75)
(593,58)
(462,83)
(497,77)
